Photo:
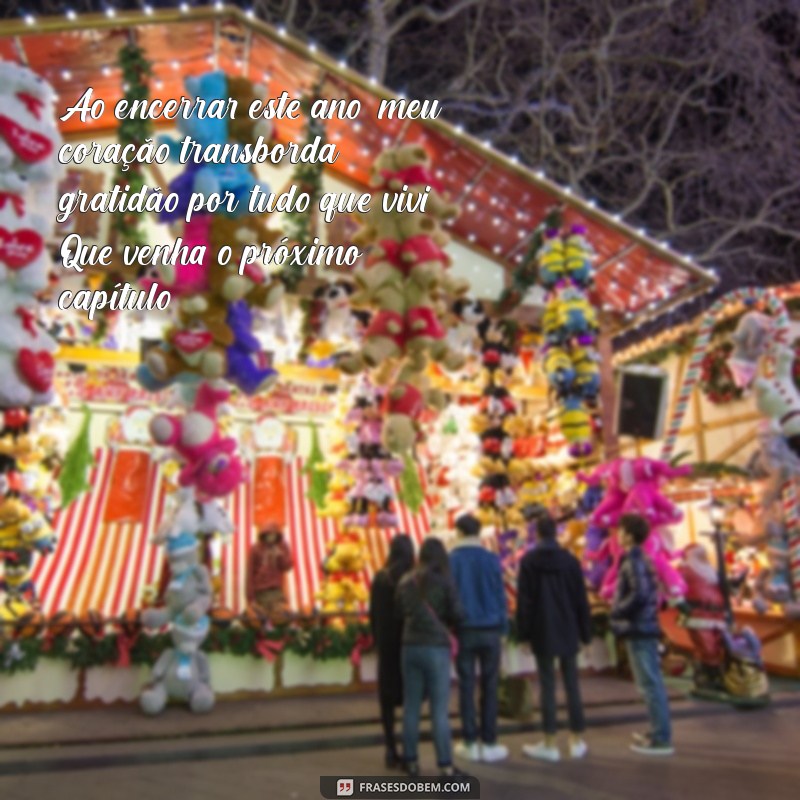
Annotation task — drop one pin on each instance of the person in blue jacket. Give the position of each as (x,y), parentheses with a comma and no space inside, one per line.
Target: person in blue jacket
(478,577)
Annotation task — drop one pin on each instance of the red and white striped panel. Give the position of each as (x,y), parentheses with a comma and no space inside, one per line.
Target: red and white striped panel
(100,566)
(106,566)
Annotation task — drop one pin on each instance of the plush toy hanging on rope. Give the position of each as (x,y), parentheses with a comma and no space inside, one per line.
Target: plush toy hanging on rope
(407,285)
(343,589)
(29,170)
(370,466)
(213,336)
(182,671)
(570,328)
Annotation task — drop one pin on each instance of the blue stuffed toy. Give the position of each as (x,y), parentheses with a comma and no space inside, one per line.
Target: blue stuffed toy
(209,178)
(247,368)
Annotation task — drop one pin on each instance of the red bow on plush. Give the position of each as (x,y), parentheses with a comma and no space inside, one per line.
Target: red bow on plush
(363,643)
(269,649)
(124,645)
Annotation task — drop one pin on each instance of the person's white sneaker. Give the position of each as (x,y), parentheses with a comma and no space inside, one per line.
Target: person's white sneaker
(578,749)
(468,751)
(494,752)
(541,751)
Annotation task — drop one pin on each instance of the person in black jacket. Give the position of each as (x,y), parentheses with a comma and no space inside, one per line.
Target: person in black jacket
(387,632)
(553,615)
(428,603)
(634,616)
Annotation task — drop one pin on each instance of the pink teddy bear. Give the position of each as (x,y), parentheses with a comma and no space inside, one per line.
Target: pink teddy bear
(671,583)
(210,463)
(633,487)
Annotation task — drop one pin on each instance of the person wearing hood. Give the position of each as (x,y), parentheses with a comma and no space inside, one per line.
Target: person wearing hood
(269,559)
(478,576)
(387,632)
(553,616)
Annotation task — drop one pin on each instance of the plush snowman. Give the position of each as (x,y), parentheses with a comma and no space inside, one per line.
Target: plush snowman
(29,138)
(778,398)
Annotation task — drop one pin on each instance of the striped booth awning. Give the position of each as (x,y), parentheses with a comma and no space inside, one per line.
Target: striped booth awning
(104,558)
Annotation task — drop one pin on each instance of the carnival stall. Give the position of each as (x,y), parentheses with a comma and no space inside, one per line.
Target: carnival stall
(461,362)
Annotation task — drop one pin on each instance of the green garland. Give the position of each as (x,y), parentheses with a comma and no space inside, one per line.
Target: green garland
(684,344)
(716,379)
(526,275)
(136,71)
(73,479)
(307,177)
(411,492)
(319,641)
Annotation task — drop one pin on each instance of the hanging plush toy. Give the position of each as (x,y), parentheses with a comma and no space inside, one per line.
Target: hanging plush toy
(29,138)
(750,341)
(182,671)
(210,463)
(778,398)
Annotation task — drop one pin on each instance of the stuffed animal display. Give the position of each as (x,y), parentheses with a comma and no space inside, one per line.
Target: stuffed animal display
(407,286)
(343,587)
(29,172)
(213,336)
(330,323)
(182,671)
(634,486)
(570,327)
(210,463)
(29,138)
(367,497)
(219,178)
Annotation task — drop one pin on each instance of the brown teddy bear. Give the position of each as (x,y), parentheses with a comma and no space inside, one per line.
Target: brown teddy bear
(253,286)
(409,165)
(197,344)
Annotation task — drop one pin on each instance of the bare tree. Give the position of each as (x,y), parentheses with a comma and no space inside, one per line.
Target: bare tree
(682,115)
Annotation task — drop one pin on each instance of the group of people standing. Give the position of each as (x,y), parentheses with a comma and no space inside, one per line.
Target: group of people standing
(450,610)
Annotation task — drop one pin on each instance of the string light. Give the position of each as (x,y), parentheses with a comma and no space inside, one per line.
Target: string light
(148,10)
(111,12)
(342,63)
(312,46)
(250,13)
(219,5)
(184,7)
(281,30)
(30,19)
(71,15)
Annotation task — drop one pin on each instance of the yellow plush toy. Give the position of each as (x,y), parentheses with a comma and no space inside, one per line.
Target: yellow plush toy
(346,554)
(21,528)
(336,502)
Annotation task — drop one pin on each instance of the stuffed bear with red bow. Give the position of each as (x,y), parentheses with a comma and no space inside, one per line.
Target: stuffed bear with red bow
(26,349)
(29,138)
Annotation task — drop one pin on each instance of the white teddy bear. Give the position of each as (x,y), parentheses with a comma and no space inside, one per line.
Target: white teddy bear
(29,137)
(24,259)
(26,349)
(778,398)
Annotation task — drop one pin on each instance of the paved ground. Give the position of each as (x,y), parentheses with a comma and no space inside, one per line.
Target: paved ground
(722,753)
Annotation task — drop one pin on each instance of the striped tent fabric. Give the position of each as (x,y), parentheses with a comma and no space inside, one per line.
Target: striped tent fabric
(107,566)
